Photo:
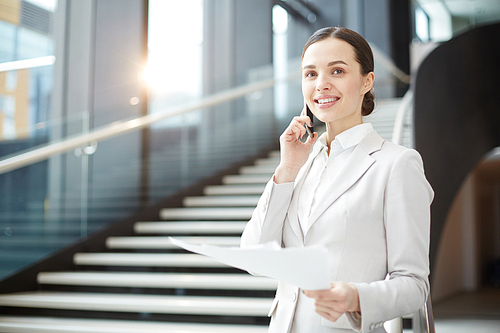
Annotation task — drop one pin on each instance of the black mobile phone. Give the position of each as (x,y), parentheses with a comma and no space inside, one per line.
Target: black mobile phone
(310,129)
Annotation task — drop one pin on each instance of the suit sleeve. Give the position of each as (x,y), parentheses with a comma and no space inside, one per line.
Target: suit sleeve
(407,200)
(266,224)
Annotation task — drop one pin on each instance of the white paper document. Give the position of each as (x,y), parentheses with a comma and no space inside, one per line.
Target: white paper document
(305,267)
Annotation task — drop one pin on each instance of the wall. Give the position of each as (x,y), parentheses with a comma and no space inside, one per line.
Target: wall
(471,236)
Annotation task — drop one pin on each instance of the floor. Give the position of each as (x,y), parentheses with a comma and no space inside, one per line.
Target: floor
(469,312)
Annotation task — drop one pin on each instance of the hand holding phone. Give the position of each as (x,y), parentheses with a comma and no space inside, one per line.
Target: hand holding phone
(295,147)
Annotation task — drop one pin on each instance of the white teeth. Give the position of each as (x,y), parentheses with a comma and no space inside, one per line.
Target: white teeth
(327,100)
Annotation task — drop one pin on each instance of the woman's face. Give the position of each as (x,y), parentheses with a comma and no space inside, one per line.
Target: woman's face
(332,83)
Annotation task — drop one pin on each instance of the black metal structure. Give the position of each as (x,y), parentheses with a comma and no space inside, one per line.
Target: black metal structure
(457,114)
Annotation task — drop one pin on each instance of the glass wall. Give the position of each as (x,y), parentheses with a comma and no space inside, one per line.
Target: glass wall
(26,72)
(26,86)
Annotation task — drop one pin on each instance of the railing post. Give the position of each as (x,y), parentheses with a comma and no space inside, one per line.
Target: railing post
(395,325)
(423,319)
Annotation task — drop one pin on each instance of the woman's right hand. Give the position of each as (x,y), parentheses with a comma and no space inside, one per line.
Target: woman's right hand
(293,152)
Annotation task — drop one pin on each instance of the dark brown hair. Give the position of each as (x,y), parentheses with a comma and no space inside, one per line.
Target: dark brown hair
(362,52)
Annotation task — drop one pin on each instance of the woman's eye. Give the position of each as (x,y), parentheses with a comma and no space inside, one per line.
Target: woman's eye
(337,71)
(310,74)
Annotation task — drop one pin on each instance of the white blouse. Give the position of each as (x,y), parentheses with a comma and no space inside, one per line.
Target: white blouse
(325,167)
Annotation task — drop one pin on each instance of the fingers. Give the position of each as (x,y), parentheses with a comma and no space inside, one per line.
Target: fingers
(297,126)
(311,139)
(329,314)
(328,295)
(326,304)
(332,303)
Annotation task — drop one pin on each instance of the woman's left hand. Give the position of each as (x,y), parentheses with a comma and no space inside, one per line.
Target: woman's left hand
(334,302)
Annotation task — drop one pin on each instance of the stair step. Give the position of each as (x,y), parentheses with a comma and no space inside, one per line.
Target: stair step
(192,305)
(145,260)
(268,161)
(161,242)
(159,280)
(222,201)
(274,154)
(255,189)
(190,227)
(206,213)
(245,179)
(65,325)
(257,169)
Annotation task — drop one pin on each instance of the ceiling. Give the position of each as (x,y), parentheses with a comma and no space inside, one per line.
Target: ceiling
(475,10)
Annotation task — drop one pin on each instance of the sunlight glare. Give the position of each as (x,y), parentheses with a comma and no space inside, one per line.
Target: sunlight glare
(174,46)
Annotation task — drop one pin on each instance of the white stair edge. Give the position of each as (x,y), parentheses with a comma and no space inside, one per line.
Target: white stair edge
(257,169)
(221,201)
(163,242)
(158,280)
(145,260)
(245,179)
(184,227)
(11,324)
(274,154)
(268,161)
(229,213)
(255,189)
(194,305)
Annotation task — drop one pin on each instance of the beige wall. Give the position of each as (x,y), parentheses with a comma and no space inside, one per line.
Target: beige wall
(1,125)
(20,94)
(10,11)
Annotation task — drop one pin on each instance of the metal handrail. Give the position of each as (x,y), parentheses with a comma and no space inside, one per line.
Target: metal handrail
(397,132)
(425,321)
(122,127)
(389,64)
(422,320)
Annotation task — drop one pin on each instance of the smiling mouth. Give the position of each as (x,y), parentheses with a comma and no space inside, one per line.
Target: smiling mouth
(326,100)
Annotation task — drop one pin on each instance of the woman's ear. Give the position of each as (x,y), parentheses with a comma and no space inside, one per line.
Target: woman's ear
(368,84)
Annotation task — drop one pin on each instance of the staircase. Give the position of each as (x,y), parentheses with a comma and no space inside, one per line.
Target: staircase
(144,283)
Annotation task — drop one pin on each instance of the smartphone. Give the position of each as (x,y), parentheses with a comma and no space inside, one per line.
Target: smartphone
(310,129)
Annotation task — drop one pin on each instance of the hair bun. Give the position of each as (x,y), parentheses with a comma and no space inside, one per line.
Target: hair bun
(368,103)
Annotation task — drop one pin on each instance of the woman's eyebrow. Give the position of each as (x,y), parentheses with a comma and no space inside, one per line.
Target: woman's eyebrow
(333,63)
(330,64)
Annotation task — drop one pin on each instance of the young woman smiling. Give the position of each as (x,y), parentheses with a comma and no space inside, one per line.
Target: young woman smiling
(364,199)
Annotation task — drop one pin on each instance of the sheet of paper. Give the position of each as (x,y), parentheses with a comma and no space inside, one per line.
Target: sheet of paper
(305,267)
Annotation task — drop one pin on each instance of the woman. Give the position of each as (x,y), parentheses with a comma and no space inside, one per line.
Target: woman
(363,198)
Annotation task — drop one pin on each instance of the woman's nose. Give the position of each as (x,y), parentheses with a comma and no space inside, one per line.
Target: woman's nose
(323,84)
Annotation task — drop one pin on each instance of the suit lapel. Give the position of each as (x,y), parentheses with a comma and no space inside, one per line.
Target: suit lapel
(356,166)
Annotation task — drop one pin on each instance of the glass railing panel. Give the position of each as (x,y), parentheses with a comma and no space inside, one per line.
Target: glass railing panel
(59,201)
(188,148)
(27,231)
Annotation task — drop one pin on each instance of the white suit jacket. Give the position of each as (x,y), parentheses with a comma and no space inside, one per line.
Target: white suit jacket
(376,221)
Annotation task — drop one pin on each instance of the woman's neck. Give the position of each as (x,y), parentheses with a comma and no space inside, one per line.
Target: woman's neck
(335,128)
